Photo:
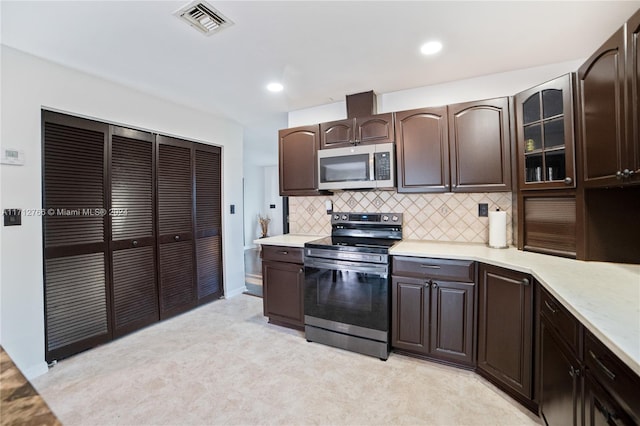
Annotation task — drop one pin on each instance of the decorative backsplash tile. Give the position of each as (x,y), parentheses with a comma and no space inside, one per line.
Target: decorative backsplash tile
(436,217)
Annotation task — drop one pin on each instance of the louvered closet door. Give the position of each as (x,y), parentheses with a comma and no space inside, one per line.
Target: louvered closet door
(175,233)
(133,243)
(208,222)
(75,256)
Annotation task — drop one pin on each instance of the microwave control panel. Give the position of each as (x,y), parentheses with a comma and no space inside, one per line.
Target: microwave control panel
(382,163)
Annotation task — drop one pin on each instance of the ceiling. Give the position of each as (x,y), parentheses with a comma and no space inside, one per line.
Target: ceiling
(320,50)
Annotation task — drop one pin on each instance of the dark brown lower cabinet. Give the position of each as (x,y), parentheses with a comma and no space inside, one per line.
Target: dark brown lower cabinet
(283,285)
(560,384)
(431,315)
(600,408)
(505,330)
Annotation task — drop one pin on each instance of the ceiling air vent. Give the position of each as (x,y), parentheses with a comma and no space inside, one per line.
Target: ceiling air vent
(203,17)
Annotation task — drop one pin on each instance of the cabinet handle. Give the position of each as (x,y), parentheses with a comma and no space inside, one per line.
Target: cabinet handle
(618,175)
(603,367)
(550,307)
(568,181)
(574,372)
(177,238)
(525,281)
(283,252)
(134,243)
(430,266)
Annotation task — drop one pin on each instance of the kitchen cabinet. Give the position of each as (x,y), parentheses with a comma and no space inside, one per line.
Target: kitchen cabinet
(544,123)
(505,330)
(560,371)
(357,131)
(611,388)
(298,159)
(283,284)
(422,150)
(609,116)
(432,311)
(480,145)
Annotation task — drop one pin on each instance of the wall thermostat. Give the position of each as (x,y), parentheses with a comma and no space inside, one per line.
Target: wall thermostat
(12,156)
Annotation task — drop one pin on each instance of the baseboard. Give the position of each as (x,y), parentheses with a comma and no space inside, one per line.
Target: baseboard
(235,292)
(36,370)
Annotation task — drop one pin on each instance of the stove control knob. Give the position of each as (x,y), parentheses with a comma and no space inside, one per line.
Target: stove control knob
(336,216)
(385,218)
(344,217)
(395,218)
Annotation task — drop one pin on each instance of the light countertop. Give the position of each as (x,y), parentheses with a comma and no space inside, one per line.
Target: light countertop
(604,297)
(290,240)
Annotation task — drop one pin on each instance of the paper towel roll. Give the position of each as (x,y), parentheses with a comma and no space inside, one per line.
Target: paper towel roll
(498,229)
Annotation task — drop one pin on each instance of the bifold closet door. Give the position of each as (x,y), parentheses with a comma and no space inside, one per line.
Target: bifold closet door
(76,261)
(133,243)
(208,222)
(178,291)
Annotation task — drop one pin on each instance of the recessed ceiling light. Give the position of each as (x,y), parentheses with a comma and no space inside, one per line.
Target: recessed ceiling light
(275,87)
(431,47)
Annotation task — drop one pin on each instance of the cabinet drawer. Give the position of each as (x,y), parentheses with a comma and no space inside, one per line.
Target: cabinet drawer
(560,319)
(613,375)
(442,269)
(283,254)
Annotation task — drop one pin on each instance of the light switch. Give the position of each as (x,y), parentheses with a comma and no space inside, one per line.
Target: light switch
(12,217)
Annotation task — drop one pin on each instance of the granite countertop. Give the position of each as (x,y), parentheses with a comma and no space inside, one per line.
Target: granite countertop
(603,296)
(21,404)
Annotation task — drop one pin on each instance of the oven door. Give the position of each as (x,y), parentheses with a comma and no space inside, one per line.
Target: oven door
(352,293)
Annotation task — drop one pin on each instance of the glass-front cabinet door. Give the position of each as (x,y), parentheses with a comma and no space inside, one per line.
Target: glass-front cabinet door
(544,117)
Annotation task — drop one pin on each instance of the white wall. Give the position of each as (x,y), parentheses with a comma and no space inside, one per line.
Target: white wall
(272,197)
(29,84)
(489,86)
(253,202)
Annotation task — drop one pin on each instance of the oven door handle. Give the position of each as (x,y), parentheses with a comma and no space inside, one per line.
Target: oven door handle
(381,270)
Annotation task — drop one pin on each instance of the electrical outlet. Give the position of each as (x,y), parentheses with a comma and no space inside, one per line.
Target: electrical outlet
(483,210)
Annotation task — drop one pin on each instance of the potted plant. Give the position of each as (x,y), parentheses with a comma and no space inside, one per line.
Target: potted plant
(264,224)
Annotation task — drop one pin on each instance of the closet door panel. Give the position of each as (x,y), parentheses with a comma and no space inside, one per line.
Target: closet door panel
(178,291)
(208,213)
(76,264)
(135,293)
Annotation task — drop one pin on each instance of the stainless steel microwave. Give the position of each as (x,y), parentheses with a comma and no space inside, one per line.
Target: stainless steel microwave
(357,167)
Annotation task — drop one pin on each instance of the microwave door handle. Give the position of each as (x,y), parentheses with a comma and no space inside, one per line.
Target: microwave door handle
(372,169)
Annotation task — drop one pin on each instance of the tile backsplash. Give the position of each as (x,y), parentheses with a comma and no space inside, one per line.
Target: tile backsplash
(437,217)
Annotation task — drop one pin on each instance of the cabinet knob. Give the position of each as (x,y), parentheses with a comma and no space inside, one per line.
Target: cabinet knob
(568,181)
(177,238)
(301,270)
(427,284)
(618,174)
(284,252)
(525,281)
(626,173)
(134,243)
(434,285)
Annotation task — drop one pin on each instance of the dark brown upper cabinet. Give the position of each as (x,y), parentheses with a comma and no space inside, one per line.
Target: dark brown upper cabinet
(480,146)
(610,151)
(544,123)
(354,131)
(423,150)
(297,150)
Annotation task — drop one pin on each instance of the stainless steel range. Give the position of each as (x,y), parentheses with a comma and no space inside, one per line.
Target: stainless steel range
(347,283)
